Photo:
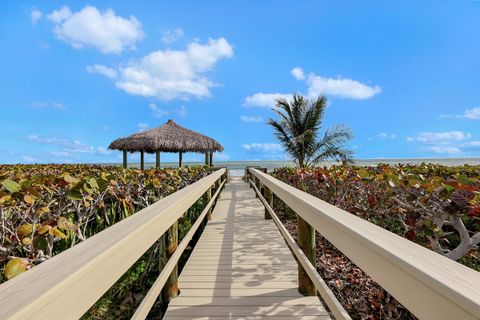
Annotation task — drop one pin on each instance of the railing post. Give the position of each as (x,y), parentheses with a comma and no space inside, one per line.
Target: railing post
(306,241)
(257,183)
(209,197)
(269,198)
(171,286)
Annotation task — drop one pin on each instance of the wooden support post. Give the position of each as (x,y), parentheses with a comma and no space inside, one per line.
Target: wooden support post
(206,159)
(257,183)
(269,198)
(125,159)
(171,286)
(211,158)
(180,159)
(306,241)
(157,159)
(142,160)
(209,197)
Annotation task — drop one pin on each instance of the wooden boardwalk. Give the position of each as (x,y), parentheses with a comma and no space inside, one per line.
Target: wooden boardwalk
(241,268)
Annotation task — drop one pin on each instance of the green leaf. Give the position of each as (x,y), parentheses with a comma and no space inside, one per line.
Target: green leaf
(93,183)
(40,243)
(11,185)
(15,267)
(464,180)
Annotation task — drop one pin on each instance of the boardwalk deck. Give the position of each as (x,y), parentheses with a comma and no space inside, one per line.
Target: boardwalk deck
(241,268)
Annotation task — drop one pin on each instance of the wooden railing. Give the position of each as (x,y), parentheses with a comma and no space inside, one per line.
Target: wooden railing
(429,285)
(67,285)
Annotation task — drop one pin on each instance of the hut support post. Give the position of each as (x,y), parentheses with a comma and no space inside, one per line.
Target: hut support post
(211,158)
(206,159)
(171,286)
(306,242)
(180,159)
(125,159)
(157,159)
(142,160)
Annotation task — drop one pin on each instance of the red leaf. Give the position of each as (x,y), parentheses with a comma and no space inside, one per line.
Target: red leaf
(462,197)
(474,211)
(411,234)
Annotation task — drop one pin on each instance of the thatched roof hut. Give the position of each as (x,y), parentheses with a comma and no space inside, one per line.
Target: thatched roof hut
(170,137)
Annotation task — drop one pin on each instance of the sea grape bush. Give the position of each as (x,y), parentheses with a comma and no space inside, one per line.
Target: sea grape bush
(433,205)
(45,209)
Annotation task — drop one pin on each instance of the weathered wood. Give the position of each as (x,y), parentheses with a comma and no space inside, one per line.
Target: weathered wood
(269,198)
(206,159)
(180,159)
(157,159)
(250,270)
(142,160)
(211,158)
(306,241)
(171,286)
(209,197)
(125,164)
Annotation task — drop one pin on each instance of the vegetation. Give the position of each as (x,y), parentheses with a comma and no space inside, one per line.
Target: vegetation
(45,209)
(435,206)
(298,132)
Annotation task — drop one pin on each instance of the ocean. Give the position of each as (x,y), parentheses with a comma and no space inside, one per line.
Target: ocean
(237,168)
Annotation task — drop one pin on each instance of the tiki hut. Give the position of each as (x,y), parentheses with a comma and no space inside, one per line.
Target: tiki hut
(169,137)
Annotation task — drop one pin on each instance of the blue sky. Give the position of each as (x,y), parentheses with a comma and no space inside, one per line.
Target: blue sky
(404,75)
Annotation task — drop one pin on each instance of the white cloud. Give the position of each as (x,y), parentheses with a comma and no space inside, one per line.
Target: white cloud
(106,71)
(181,111)
(29,159)
(252,119)
(470,114)
(174,74)
(262,147)
(171,36)
(68,145)
(267,100)
(90,27)
(473,114)
(58,16)
(317,86)
(35,15)
(60,154)
(48,105)
(159,113)
(142,127)
(221,156)
(298,73)
(341,87)
(471,144)
(441,138)
(103,151)
(445,150)
(384,136)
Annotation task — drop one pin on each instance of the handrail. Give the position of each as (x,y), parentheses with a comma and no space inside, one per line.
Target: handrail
(327,295)
(429,285)
(152,294)
(68,284)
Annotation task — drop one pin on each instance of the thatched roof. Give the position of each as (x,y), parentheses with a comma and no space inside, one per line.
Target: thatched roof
(169,137)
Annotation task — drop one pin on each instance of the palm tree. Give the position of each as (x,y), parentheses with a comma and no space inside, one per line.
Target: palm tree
(298,131)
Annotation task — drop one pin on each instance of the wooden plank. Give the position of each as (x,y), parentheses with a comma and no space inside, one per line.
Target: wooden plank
(271,311)
(241,268)
(245,301)
(279,317)
(265,292)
